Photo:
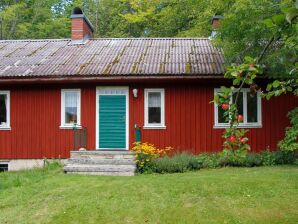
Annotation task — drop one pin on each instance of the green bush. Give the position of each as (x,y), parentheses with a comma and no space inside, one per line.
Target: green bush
(253,159)
(183,162)
(284,157)
(209,160)
(268,158)
(232,157)
(179,163)
(290,141)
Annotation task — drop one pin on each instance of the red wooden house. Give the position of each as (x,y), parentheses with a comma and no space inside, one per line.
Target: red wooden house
(111,86)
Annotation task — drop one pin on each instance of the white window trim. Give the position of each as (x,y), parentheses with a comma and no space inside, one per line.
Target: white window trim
(6,126)
(245,124)
(70,125)
(162,110)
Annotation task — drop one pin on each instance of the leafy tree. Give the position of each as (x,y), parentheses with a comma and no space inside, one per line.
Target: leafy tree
(282,30)
(117,18)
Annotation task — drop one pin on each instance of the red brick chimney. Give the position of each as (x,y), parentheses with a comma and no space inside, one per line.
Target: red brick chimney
(216,21)
(81,27)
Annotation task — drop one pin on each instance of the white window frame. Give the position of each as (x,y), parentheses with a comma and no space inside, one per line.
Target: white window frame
(244,124)
(70,125)
(161,125)
(6,126)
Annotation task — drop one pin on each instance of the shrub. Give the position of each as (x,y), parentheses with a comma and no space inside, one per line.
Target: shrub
(253,159)
(268,158)
(290,141)
(209,160)
(179,163)
(231,157)
(145,154)
(284,157)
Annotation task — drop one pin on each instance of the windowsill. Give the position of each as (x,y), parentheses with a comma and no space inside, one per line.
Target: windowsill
(155,127)
(70,127)
(5,128)
(239,126)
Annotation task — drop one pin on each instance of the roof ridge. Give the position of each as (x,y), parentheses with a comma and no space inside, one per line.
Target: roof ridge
(110,38)
(35,40)
(152,38)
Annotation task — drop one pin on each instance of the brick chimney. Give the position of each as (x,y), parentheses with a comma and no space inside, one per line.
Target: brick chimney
(216,21)
(81,27)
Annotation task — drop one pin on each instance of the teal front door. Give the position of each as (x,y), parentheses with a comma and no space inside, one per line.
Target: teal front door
(112,122)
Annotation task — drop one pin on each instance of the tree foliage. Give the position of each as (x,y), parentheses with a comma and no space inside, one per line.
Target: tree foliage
(118,18)
(248,26)
(282,41)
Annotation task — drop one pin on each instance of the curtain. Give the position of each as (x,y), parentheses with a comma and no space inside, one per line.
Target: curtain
(154,100)
(71,99)
(71,105)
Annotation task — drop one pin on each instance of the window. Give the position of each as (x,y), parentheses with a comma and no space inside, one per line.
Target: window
(4,110)
(248,105)
(70,107)
(154,108)
(3,166)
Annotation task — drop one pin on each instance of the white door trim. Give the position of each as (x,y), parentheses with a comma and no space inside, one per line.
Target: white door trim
(111,90)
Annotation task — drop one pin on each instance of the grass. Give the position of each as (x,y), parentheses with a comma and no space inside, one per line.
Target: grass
(227,195)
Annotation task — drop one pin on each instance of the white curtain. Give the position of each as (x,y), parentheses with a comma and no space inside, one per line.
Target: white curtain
(71,99)
(154,100)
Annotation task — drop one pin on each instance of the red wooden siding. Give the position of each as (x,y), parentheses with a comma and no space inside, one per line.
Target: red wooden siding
(35,121)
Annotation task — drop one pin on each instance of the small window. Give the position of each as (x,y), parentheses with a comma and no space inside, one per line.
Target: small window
(154,108)
(70,107)
(4,109)
(249,105)
(3,167)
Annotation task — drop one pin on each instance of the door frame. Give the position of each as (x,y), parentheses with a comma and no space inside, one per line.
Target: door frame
(125,90)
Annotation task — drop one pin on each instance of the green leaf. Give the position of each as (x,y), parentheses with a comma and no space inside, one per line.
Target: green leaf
(291,14)
(268,23)
(249,81)
(249,60)
(269,87)
(268,97)
(296,4)
(278,19)
(236,82)
(289,89)
(277,92)
(276,84)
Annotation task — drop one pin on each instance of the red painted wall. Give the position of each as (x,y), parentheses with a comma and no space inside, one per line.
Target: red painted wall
(35,121)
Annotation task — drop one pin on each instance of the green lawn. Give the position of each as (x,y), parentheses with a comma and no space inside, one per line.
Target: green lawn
(228,195)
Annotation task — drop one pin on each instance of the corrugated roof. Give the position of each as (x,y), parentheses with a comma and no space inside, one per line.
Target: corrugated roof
(110,57)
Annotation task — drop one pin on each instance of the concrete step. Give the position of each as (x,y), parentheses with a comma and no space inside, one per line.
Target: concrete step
(99,168)
(104,173)
(106,163)
(101,155)
(101,161)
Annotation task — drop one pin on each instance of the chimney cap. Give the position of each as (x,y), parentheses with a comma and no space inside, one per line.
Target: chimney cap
(216,17)
(78,13)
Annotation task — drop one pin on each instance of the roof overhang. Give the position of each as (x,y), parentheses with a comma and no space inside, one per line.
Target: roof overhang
(110,79)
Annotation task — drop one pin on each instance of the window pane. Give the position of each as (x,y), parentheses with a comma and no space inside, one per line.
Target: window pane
(71,105)
(154,115)
(221,118)
(252,107)
(154,108)
(3,109)
(239,102)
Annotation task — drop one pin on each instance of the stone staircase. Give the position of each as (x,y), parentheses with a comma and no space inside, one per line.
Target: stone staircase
(105,163)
